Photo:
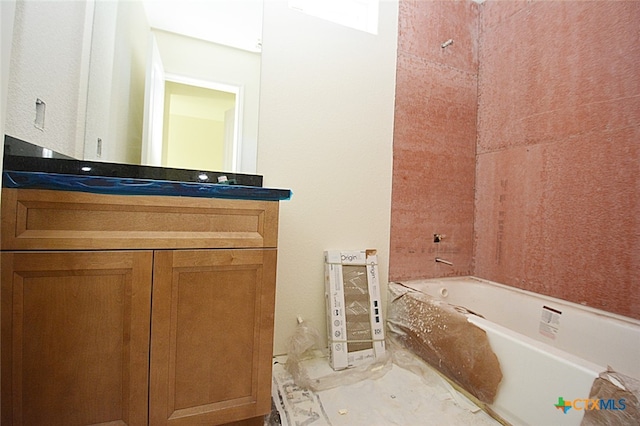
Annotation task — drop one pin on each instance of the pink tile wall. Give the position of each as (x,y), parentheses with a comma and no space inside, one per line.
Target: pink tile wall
(434,139)
(558,170)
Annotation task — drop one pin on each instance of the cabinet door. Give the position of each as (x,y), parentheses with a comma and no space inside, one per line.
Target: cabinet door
(75,337)
(211,335)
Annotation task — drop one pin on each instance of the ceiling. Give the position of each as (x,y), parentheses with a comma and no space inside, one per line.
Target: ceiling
(235,23)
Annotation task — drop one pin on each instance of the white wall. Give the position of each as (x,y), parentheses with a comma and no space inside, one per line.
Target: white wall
(326,132)
(7,13)
(95,89)
(50,62)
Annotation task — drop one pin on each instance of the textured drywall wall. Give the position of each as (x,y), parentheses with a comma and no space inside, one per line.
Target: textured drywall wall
(326,129)
(49,62)
(434,139)
(558,171)
(7,15)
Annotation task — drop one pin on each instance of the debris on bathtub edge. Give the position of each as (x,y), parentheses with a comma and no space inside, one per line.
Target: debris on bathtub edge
(618,397)
(436,331)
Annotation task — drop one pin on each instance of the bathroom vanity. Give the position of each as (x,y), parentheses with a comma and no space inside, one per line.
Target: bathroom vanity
(124,306)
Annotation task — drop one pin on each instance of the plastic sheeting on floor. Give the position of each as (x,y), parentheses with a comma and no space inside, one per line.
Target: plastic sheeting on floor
(399,397)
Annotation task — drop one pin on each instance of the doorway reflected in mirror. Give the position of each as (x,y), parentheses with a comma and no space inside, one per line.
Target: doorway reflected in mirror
(199,127)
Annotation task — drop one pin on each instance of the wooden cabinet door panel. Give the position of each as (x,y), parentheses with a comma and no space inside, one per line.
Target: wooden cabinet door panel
(75,337)
(212,327)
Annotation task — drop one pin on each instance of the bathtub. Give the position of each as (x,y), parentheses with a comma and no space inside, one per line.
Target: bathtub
(547,348)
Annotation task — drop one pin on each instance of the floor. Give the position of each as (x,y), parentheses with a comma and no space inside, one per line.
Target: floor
(401,390)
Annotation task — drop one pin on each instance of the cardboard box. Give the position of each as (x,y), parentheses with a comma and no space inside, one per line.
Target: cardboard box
(355,325)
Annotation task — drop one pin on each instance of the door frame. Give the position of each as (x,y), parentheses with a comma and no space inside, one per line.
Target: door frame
(233,148)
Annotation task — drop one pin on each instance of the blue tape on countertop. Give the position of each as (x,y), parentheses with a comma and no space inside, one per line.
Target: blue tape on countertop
(130,186)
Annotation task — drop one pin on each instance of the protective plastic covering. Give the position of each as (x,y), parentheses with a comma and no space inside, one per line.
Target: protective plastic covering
(397,389)
(440,334)
(134,186)
(357,308)
(304,344)
(618,397)
(411,392)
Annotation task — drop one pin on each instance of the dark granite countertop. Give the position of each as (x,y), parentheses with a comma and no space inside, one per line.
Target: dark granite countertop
(29,166)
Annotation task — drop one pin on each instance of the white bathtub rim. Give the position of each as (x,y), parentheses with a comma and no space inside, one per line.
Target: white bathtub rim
(625,334)
(550,299)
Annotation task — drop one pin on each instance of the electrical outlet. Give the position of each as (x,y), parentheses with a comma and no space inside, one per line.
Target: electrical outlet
(40,110)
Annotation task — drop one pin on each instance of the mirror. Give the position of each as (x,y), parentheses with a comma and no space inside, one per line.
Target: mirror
(80,73)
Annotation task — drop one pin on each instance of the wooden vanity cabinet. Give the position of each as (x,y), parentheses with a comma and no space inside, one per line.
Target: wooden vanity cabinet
(75,337)
(136,310)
